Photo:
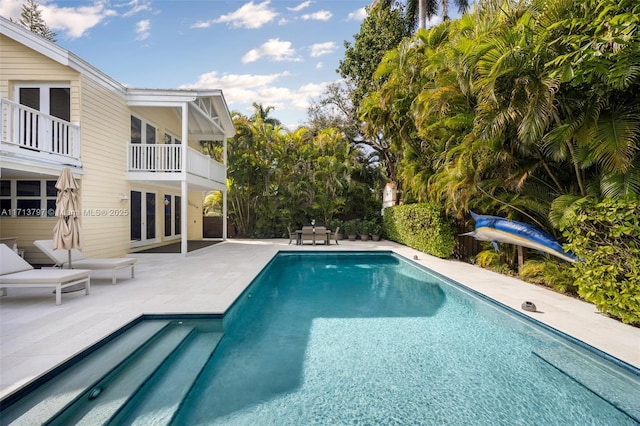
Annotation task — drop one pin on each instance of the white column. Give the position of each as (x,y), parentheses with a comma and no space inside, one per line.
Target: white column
(224,193)
(184,187)
(224,215)
(183,219)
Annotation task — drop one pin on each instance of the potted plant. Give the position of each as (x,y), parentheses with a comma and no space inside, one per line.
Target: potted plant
(350,229)
(376,230)
(364,229)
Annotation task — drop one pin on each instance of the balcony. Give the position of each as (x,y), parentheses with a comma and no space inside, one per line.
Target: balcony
(30,135)
(164,162)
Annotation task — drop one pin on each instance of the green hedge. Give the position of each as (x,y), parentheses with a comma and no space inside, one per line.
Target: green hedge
(420,226)
(605,235)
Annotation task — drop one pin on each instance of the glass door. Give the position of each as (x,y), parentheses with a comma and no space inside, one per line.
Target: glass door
(143,218)
(54,101)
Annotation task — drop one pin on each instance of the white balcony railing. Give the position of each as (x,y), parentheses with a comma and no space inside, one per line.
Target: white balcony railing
(155,158)
(27,130)
(168,158)
(202,165)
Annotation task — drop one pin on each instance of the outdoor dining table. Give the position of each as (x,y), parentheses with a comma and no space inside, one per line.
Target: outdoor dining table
(326,235)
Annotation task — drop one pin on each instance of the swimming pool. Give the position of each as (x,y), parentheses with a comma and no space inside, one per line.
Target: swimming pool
(365,338)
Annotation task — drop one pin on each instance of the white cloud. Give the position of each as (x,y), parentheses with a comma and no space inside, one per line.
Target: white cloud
(143,29)
(357,15)
(11,9)
(135,7)
(322,15)
(274,49)
(319,65)
(301,6)
(319,49)
(70,22)
(244,89)
(202,24)
(249,15)
(75,22)
(301,97)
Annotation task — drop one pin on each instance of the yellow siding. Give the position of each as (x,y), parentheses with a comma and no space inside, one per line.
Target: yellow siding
(21,64)
(28,230)
(105,131)
(194,216)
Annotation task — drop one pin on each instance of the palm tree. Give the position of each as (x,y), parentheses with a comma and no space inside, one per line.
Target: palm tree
(418,11)
(261,114)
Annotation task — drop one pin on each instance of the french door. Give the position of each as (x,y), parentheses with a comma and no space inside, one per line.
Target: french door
(36,132)
(172,220)
(143,218)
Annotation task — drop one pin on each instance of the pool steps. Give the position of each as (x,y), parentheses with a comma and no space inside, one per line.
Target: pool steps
(160,397)
(44,401)
(620,391)
(143,375)
(122,381)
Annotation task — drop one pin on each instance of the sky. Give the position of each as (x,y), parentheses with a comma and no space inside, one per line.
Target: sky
(274,52)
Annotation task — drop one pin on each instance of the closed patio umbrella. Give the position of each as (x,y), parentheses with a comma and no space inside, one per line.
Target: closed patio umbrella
(66,233)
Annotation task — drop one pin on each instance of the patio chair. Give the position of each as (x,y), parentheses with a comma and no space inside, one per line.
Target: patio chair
(78,260)
(307,234)
(16,272)
(292,235)
(315,234)
(334,235)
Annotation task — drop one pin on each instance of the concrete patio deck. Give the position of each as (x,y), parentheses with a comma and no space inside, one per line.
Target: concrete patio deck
(36,335)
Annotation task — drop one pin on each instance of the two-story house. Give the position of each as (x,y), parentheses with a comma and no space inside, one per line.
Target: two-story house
(136,153)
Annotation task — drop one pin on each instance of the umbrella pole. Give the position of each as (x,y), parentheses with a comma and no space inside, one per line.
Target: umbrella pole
(69,251)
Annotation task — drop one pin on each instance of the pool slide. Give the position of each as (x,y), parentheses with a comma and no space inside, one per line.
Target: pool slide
(501,230)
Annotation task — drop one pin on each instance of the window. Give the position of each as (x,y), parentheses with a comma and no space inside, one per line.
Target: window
(136,130)
(142,131)
(52,99)
(27,198)
(170,139)
(151,134)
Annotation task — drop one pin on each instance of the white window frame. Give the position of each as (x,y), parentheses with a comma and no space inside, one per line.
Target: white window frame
(41,212)
(143,130)
(45,99)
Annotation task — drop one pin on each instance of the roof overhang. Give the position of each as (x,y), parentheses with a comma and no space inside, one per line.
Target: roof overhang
(208,114)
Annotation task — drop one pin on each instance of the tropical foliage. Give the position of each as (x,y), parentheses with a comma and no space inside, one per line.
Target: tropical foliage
(528,110)
(280,179)
(605,235)
(517,109)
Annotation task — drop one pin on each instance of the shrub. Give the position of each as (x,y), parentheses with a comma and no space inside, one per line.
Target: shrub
(420,226)
(605,235)
(350,227)
(551,273)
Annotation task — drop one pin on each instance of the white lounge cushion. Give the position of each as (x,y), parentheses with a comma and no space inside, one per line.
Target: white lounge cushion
(44,276)
(10,262)
(79,260)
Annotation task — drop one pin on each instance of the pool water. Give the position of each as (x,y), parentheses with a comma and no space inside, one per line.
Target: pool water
(337,338)
(373,339)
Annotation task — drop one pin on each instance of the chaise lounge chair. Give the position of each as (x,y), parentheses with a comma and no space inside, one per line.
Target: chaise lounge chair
(78,260)
(16,272)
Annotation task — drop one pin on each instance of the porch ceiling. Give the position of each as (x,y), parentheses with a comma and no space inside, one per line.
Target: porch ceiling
(208,114)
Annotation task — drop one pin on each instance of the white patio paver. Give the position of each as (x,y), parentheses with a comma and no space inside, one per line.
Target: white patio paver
(36,335)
